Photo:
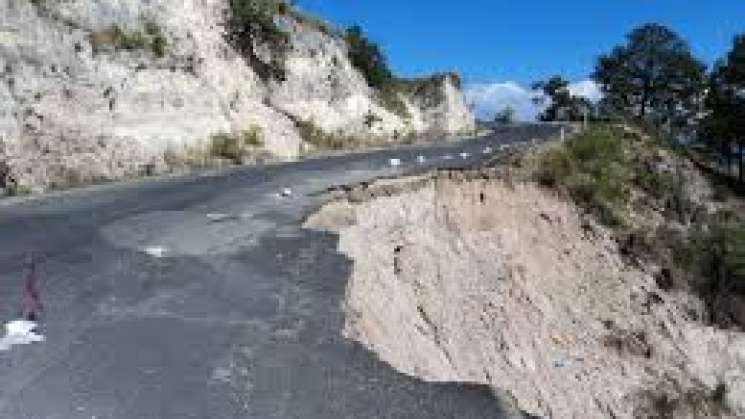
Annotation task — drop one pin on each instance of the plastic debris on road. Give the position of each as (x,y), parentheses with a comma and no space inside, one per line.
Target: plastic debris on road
(395,162)
(156,251)
(285,193)
(420,159)
(464,155)
(447,157)
(19,332)
(488,150)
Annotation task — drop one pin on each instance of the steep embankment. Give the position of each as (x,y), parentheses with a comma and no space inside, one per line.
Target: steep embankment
(489,277)
(93,90)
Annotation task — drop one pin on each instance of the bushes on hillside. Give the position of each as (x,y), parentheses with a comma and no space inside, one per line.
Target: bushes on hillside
(322,140)
(593,169)
(235,147)
(149,37)
(249,25)
(368,58)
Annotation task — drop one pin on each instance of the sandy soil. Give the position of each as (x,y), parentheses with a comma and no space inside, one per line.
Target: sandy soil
(483,280)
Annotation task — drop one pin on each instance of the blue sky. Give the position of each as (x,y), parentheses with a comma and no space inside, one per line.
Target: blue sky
(496,41)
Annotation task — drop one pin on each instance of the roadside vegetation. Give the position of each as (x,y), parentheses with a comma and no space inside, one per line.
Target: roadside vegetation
(321,140)
(236,147)
(250,25)
(661,167)
(148,37)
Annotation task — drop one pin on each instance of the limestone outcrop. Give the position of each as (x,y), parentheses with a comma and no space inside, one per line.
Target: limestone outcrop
(98,89)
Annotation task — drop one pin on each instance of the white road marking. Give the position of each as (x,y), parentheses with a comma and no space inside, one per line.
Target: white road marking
(420,159)
(447,157)
(395,162)
(464,155)
(19,332)
(155,251)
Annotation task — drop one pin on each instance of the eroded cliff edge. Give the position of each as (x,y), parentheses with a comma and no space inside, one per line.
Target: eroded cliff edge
(496,276)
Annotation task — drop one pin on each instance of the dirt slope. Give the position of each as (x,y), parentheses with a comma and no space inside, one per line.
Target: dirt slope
(475,278)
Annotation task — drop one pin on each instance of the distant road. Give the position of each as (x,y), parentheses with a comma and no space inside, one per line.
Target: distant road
(201,297)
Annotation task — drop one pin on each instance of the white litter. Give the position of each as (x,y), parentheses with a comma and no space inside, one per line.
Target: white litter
(217,217)
(420,159)
(284,193)
(488,150)
(156,251)
(19,332)
(395,162)
(464,155)
(447,157)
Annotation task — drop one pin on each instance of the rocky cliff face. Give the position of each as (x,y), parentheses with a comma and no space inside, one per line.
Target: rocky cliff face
(100,89)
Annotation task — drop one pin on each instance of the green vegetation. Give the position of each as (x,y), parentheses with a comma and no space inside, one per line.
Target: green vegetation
(251,23)
(150,38)
(505,116)
(652,77)
(623,177)
(723,128)
(594,170)
(236,147)
(560,104)
(368,58)
(322,140)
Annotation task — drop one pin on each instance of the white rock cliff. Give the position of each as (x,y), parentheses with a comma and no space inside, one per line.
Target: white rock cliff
(75,109)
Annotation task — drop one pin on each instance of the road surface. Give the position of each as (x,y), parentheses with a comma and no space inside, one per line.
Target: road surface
(201,297)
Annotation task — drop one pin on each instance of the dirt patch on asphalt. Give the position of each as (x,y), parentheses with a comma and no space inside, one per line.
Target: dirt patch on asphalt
(475,278)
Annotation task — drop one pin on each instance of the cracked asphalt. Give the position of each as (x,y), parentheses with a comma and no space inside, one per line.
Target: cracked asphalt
(201,296)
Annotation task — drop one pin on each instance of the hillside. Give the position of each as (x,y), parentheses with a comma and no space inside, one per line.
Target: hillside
(592,278)
(94,90)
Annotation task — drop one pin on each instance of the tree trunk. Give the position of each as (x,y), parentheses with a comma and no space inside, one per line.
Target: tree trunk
(645,98)
(739,159)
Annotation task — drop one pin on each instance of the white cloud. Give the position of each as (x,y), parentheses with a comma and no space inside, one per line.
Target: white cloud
(489,98)
(587,88)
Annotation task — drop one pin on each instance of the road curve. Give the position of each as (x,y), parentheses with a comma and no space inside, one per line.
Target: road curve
(201,297)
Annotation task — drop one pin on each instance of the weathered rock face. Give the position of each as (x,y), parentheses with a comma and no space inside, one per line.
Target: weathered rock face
(74,107)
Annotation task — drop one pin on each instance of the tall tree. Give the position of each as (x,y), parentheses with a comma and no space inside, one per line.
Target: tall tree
(505,116)
(653,76)
(560,104)
(724,124)
(367,56)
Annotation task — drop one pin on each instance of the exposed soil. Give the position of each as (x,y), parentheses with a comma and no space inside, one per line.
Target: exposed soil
(473,277)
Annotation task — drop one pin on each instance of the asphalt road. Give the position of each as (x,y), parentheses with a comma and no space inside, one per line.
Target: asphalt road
(239,318)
